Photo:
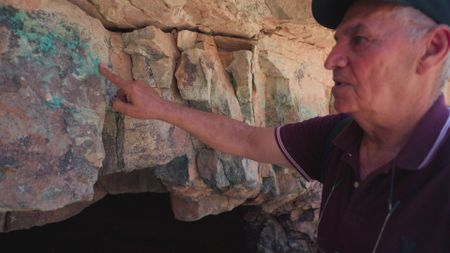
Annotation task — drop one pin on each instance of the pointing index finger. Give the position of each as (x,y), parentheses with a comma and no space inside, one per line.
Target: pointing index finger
(115,79)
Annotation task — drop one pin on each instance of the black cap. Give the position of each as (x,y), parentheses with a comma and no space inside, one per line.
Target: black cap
(329,13)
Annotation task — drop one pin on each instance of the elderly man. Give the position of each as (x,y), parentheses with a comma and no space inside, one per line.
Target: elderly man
(387,179)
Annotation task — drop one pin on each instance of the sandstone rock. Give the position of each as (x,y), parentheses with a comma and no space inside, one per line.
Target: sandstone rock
(241,71)
(90,9)
(211,169)
(186,40)
(120,60)
(121,14)
(181,177)
(289,81)
(50,142)
(194,76)
(232,44)
(281,186)
(187,210)
(234,178)
(158,52)
(224,17)
(202,79)
(298,34)
(216,187)
(243,174)
(112,134)
(148,143)
(175,172)
(229,174)
(238,18)
(151,143)
(18,220)
(288,9)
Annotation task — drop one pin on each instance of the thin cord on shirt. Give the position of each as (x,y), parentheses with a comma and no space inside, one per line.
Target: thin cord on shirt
(392,207)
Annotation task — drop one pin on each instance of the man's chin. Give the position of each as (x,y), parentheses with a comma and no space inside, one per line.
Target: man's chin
(342,107)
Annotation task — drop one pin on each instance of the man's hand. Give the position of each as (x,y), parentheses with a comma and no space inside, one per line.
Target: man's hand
(135,98)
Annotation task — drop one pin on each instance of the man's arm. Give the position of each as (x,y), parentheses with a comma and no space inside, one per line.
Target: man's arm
(138,100)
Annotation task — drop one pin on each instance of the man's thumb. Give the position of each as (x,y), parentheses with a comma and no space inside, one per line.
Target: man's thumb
(122,107)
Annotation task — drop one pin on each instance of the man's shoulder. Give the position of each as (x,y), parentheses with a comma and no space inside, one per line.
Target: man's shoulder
(321,122)
(443,154)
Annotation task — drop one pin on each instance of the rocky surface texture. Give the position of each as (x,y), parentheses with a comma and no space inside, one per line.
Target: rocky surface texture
(63,148)
(52,105)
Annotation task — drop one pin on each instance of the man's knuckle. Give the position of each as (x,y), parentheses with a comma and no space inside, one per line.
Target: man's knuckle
(133,88)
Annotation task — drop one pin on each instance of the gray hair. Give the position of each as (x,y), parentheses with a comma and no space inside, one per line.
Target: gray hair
(418,24)
(446,72)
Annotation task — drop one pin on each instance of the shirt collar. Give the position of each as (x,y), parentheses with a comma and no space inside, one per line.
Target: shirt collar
(425,140)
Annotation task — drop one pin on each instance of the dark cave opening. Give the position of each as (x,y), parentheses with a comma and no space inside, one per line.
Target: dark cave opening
(133,223)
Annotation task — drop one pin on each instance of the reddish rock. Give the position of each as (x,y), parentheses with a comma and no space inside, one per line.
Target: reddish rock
(231,44)
(240,69)
(18,220)
(186,40)
(50,143)
(188,210)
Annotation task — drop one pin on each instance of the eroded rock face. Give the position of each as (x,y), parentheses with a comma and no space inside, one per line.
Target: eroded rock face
(237,18)
(52,104)
(291,84)
(63,147)
(150,143)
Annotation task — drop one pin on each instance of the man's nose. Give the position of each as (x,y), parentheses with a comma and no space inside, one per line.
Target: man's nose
(336,58)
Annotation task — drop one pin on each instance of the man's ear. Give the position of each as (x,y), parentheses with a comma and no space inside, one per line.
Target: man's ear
(438,47)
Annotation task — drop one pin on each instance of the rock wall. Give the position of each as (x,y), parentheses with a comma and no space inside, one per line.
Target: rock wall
(62,147)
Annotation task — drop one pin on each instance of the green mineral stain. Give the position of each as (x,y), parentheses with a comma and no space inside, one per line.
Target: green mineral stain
(17,20)
(306,113)
(42,36)
(54,103)
(47,45)
(70,110)
(47,78)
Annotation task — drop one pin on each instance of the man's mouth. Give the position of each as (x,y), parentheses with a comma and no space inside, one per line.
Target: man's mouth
(340,83)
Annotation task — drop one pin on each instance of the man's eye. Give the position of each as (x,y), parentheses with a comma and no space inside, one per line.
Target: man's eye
(358,40)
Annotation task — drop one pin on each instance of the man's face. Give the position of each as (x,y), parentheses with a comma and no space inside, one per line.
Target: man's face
(374,61)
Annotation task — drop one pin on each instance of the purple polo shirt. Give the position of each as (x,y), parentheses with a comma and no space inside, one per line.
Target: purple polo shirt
(419,179)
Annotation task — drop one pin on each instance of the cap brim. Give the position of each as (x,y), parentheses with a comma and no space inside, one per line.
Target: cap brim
(329,13)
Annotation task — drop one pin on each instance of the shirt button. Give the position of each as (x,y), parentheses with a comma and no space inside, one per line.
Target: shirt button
(349,155)
(356,184)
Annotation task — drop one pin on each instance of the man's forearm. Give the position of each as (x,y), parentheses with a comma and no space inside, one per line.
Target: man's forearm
(219,132)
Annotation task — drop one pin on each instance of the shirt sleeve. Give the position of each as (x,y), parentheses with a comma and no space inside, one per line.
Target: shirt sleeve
(303,143)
